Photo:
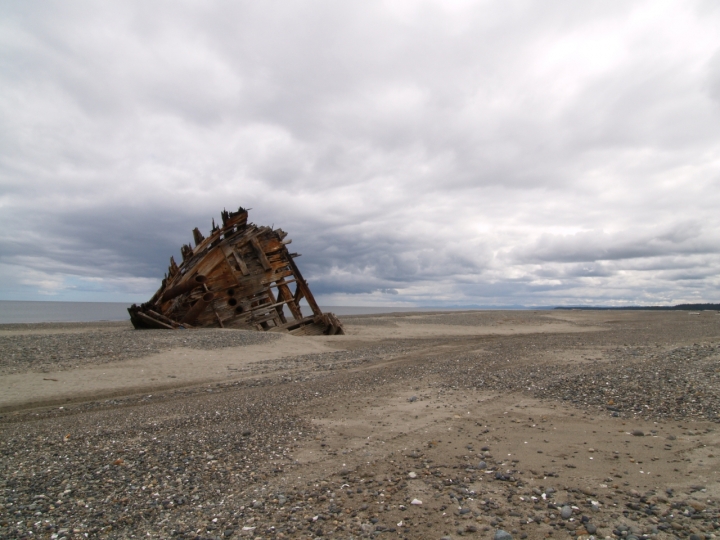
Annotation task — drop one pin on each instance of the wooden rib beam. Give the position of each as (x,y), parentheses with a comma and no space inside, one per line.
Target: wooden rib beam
(303,286)
(231,253)
(278,307)
(254,242)
(287,296)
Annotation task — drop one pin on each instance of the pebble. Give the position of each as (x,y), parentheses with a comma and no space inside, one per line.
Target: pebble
(502,535)
(566,512)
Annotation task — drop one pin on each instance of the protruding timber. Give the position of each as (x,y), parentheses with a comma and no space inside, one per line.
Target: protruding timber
(241,276)
(188,286)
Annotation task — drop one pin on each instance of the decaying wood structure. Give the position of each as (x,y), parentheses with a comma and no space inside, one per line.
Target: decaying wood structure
(241,276)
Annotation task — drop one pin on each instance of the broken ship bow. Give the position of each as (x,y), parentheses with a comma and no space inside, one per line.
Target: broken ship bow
(241,276)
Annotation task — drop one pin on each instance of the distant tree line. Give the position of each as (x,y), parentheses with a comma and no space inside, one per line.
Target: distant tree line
(680,307)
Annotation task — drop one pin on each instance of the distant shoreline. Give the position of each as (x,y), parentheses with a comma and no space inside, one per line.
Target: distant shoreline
(679,307)
(39,311)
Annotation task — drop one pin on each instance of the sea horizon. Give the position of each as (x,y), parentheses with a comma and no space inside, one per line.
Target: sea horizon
(49,311)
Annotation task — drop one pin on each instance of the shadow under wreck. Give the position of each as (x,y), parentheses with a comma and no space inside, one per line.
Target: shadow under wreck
(241,276)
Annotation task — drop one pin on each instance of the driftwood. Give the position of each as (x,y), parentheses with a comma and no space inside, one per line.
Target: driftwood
(241,276)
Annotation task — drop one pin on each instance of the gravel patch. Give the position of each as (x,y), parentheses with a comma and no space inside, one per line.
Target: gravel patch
(44,352)
(369,321)
(473,318)
(636,382)
(486,318)
(133,470)
(683,382)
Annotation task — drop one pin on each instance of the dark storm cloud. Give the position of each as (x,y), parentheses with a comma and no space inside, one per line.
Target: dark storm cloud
(429,153)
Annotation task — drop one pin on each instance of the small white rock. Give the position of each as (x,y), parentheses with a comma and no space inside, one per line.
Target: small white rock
(412,475)
(416,502)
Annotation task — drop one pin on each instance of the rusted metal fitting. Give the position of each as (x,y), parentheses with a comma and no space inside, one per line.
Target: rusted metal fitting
(200,306)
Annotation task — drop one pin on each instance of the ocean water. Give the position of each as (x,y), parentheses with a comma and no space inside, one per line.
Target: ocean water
(36,312)
(12,312)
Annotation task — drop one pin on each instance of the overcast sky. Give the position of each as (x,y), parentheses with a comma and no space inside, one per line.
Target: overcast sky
(429,153)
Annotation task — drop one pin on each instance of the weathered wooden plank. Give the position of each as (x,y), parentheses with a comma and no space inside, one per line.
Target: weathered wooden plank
(260,254)
(153,323)
(241,263)
(266,318)
(297,323)
(231,256)
(270,282)
(263,307)
(272,245)
(166,320)
(205,244)
(212,259)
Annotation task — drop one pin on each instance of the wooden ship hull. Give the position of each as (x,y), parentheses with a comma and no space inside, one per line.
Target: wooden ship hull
(241,276)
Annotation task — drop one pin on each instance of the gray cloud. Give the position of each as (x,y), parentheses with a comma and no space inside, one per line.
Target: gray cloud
(422,153)
(713,77)
(684,238)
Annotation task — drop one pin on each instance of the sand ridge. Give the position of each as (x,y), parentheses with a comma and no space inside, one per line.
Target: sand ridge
(175,367)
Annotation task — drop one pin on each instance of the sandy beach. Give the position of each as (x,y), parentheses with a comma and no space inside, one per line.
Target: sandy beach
(539,424)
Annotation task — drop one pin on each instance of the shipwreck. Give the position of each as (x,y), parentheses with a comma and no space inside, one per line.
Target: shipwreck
(241,276)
